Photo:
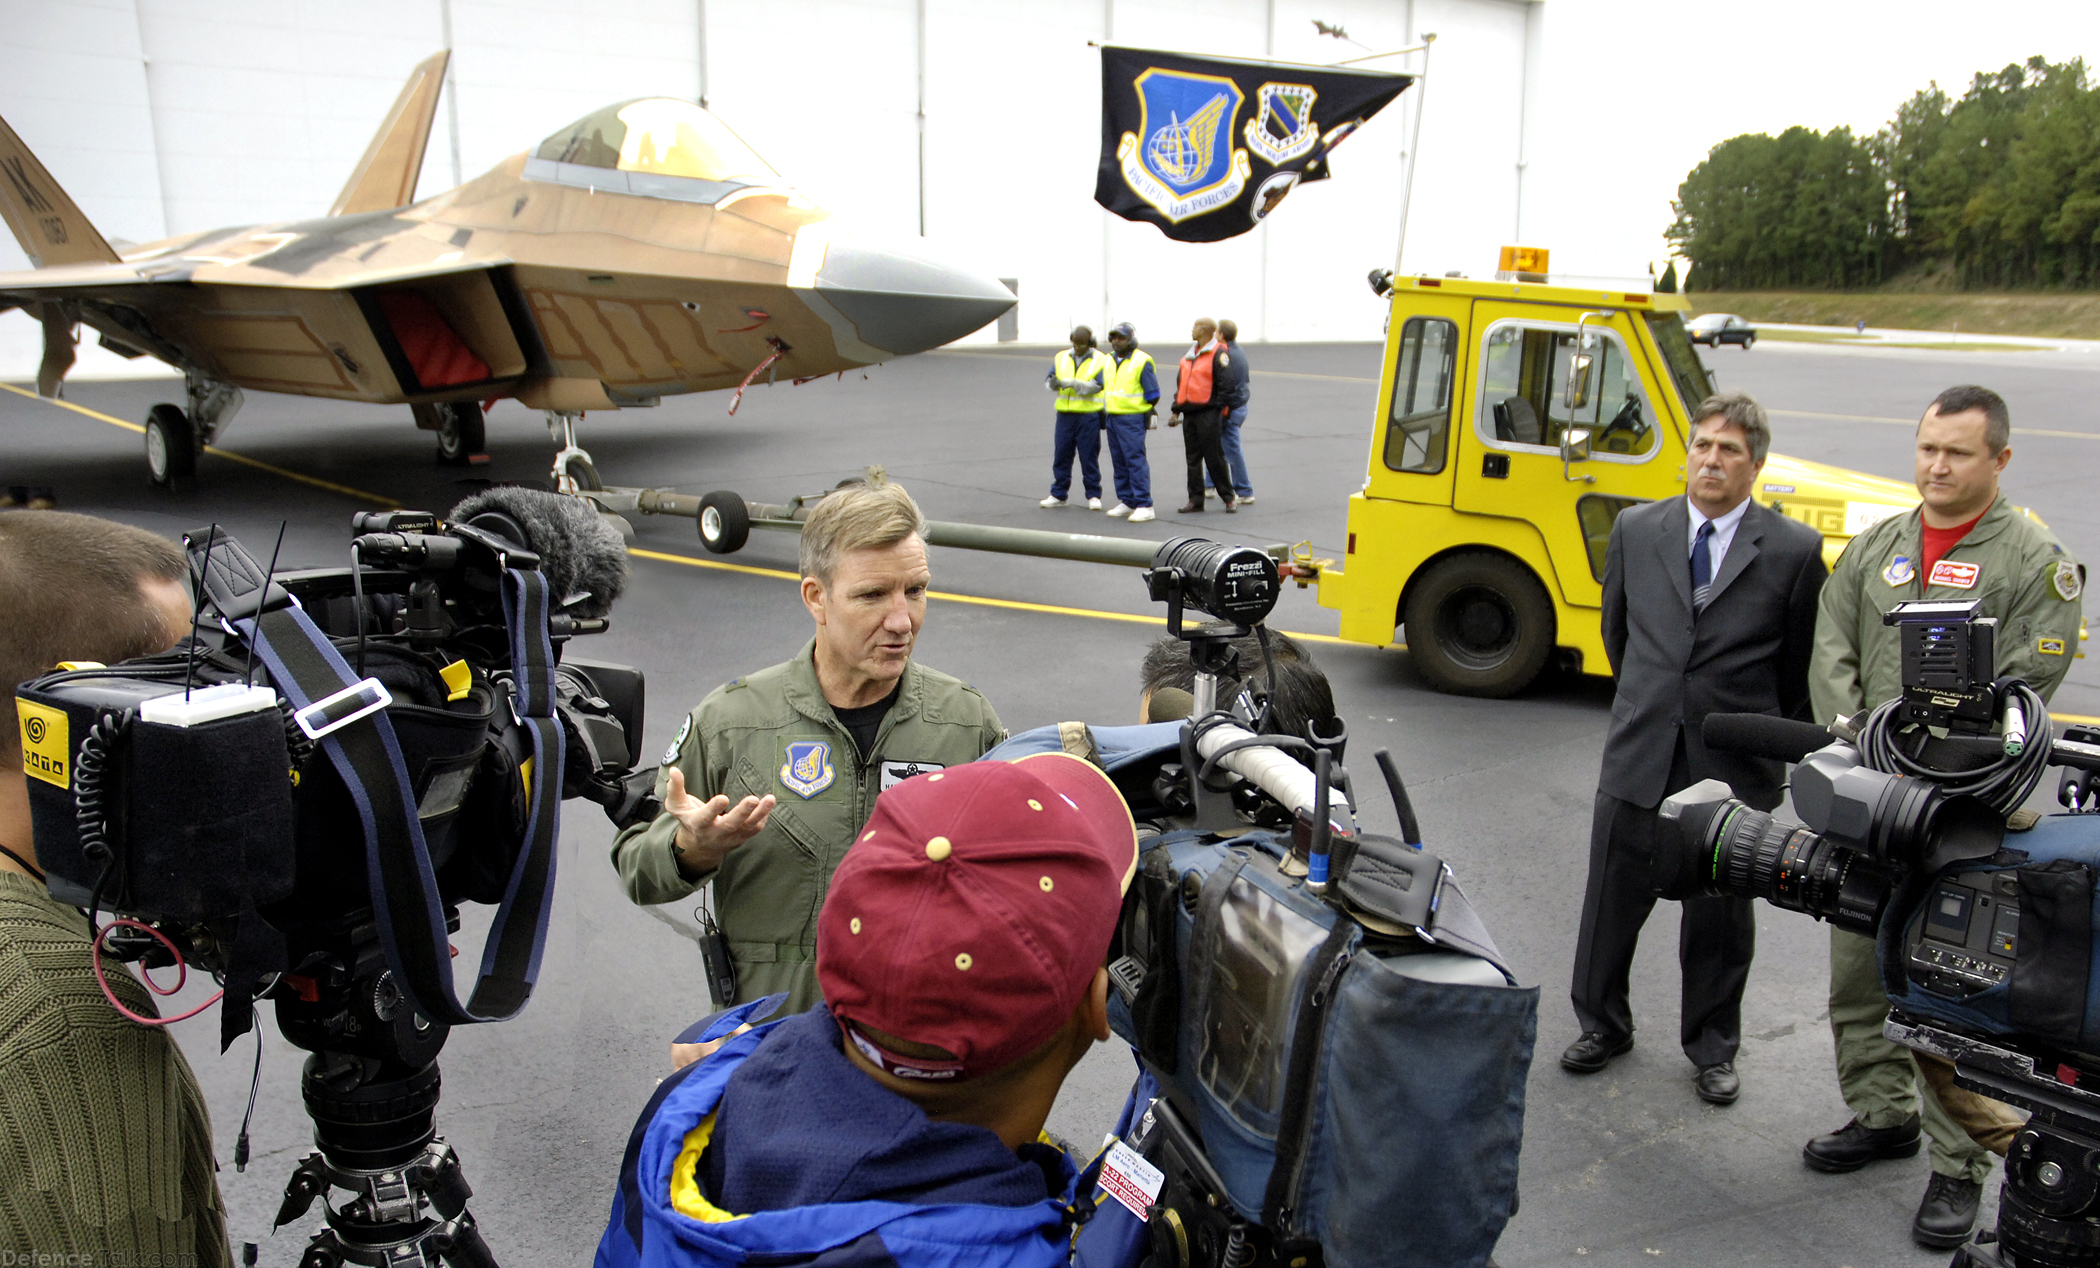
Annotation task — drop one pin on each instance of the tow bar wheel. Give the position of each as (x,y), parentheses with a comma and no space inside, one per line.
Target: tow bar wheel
(725,523)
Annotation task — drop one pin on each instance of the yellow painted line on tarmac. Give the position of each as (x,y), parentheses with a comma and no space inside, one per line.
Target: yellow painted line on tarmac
(1014,605)
(1912,422)
(2077,719)
(312,481)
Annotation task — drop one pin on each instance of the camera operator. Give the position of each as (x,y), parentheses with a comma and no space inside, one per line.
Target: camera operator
(1298,692)
(961,953)
(1965,541)
(108,1150)
(771,776)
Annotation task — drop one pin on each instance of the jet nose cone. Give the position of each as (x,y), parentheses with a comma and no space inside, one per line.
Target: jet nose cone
(902,301)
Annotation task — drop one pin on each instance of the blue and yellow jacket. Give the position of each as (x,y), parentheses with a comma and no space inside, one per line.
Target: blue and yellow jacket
(827,1162)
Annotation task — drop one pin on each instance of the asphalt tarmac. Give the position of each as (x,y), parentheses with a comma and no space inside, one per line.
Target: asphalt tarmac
(1624,1167)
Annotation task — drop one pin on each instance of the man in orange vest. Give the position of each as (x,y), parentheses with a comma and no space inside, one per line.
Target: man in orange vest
(1200,388)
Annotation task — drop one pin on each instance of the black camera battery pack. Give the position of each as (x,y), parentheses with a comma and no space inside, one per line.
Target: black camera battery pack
(197,819)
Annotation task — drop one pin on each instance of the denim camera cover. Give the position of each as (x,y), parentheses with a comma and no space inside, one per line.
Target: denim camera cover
(2052,994)
(1408,1148)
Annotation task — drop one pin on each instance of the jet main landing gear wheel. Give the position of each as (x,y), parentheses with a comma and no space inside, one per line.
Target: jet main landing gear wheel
(171,446)
(462,434)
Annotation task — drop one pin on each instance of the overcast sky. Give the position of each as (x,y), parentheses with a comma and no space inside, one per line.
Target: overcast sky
(1642,89)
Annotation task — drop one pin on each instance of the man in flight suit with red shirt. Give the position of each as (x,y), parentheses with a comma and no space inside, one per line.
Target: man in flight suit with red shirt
(1965,542)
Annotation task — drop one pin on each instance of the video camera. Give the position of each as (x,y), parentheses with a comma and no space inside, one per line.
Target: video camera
(1333,1054)
(299,797)
(1985,936)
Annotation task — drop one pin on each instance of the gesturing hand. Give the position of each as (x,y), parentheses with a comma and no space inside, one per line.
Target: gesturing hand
(709,830)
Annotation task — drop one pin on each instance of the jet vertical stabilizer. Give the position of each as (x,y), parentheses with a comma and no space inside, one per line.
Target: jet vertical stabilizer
(49,226)
(386,176)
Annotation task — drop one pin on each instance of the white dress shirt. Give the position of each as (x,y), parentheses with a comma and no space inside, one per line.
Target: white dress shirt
(1724,531)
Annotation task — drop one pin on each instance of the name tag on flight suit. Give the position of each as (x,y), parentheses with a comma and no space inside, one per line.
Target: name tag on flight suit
(895,773)
(1951,572)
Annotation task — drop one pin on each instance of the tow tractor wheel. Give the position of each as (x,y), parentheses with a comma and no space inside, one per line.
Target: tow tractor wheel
(1479,624)
(171,446)
(725,523)
(462,434)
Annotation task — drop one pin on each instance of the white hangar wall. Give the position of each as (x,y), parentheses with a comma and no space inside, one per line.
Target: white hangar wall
(976,120)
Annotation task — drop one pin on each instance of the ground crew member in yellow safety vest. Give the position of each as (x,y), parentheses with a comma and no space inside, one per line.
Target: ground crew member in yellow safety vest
(1079,376)
(1132,398)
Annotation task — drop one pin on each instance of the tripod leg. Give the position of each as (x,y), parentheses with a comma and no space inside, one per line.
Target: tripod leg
(459,1242)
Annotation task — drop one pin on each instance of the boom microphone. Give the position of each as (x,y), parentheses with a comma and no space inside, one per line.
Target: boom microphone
(579,552)
(1762,735)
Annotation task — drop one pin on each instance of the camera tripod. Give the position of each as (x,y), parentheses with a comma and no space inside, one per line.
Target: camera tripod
(2049,1207)
(371,1087)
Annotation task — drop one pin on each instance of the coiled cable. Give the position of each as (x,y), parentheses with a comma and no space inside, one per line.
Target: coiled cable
(2002,784)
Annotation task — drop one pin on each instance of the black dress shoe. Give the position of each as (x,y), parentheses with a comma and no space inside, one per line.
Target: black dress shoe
(1192,508)
(1717,1084)
(1851,1147)
(1593,1051)
(1948,1213)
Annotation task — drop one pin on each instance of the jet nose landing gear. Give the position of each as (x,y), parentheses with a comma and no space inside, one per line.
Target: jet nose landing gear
(573,472)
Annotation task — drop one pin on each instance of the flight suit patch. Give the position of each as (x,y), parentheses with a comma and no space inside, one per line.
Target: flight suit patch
(808,769)
(1899,571)
(895,773)
(2050,647)
(1954,574)
(671,753)
(2066,580)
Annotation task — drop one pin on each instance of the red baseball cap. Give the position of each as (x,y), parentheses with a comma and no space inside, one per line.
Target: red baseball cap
(974,910)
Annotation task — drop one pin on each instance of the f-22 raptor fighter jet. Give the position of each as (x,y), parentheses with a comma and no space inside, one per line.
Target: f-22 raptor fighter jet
(641,252)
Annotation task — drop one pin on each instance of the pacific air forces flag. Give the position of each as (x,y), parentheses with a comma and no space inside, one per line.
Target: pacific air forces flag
(1206,147)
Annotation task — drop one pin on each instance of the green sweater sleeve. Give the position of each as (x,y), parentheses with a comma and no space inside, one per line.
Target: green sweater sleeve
(105,1143)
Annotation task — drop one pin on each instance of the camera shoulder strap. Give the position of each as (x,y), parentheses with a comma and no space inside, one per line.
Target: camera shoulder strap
(367,754)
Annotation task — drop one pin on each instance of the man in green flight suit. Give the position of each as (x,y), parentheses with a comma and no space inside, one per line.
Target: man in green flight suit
(1966,541)
(771,777)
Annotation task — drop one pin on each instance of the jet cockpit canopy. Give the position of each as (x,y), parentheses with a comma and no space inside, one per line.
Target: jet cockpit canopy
(658,136)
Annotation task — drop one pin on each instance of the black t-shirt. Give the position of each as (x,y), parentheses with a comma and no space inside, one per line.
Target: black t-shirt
(864,722)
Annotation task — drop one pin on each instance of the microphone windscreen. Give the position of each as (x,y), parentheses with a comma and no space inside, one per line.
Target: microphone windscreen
(1761,735)
(579,551)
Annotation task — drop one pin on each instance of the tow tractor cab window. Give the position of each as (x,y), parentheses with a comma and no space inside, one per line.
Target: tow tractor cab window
(1419,431)
(1687,372)
(659,136)
(1523,392)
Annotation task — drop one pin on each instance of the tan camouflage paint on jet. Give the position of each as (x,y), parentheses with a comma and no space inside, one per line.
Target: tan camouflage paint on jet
(643,251)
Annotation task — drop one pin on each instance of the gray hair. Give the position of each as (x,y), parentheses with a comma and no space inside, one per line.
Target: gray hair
(1997,420)
(1739,410)
(857,517)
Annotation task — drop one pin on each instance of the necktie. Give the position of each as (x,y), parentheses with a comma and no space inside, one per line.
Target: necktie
(1702,567)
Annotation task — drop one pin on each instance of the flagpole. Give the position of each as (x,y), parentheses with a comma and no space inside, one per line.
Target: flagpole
(1414,146)
(1398,52)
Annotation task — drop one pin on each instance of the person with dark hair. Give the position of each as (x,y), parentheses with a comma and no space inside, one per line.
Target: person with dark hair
(962,952)
(1964,541)
(1237,394)
(1079,376)
(1127,408)
(1709,606)
(1201,387)
(1298,695)
(108,1152)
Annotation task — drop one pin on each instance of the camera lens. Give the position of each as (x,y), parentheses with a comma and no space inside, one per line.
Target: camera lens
(1233,583)
(1728,848)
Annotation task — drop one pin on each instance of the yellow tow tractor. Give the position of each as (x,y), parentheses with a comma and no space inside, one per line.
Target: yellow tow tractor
(1516,419)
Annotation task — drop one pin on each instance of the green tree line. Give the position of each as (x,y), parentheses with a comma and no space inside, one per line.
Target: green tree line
(1999,188)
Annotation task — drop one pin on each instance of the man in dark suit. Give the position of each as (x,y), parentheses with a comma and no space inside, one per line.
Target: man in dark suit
(1709,607)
